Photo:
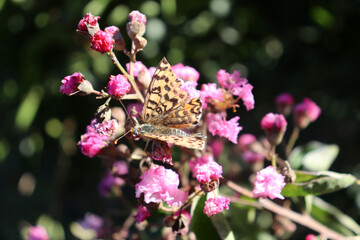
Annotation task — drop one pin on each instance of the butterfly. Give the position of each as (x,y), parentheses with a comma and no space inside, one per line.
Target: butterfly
(167,110)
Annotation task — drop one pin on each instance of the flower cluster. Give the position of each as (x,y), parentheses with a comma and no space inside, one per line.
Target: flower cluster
(268,183)
(216,205)
(205,169)
(252,151)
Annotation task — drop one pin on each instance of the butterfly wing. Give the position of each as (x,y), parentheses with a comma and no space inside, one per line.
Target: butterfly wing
(188,141)
(164,94)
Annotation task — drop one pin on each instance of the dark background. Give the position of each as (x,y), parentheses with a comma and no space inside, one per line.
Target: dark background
(307,48)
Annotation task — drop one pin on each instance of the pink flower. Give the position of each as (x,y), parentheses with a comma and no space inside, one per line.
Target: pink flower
(106,128)
(306,112)
(142,73)
(208,172)
(217,147)
(70,83)
(251,157)
(92,221)
(37,233)
(161,152)
(134,107)
(136,25)
(115,33)
(120,168)
(228,129)
(186,73)
(210,92)
(91,143)
(310,237)
(245,140)
(190,87)
(284,103)
(204,159)
(268,183)
(274,126)
(142,214)
(102,42)
(87,19)
(159,183)
(216,205)
(138,67)
(238,86)
(118,86)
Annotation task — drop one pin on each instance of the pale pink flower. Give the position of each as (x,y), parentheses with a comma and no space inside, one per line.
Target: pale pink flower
(87,19)
(119,42)
(208,172)
(120,168)
(107,128)
(142,214)
(138,67)
(91,143)
(223,78)
(217,147)
(210,92)
(204,159)
(118,86)
(245,140)
(159,183)
(71,83)
(216,205)
(228,129)
(37,233)
(305,112)
(102,42)
(268,183)
(274,126)
(190,87)
(92,221)
(251,157)
(284,103)
(186,73)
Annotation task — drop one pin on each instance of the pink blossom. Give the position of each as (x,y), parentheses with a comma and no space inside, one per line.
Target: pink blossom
(87,19)
(245,140)
(284,103)
(91,143)
(217,147)
(305,112)
(208,172)
(119,42)
(190,87)
(161,152)
(106,128)
(142,214)
(120,168)
(245,93)
(92,221)
(228,129)
(251,157)
(186,73)
(204,159)
(137,16)
(70,83)
(274,126)
(216,205)
(210,92)
(37,233)
(138,67)
(159,183)
(310,237)
(102,42)
(118,86)
(268,183)
(223,78)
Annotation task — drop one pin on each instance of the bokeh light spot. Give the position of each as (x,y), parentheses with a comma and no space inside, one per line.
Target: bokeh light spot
(202,23)
(274,47)
(41,20)
(230,35)
(151,50)
(27,147)
(54,128)
(322,16)
(4,149)
(155,29)
(150,8)
(118,15)
(26,184)
(220,8)
(96,7)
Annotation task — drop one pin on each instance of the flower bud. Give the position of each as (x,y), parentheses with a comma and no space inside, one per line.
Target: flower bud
(88,25)
(118,86)
(102,42)
(274,126)
(140,43)
(118,38)
(136,25)
(306,112)
(76,85)
(284,103)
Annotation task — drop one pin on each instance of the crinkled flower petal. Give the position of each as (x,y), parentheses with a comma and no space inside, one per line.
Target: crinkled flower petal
(216,205)
(228,129)
(268,183)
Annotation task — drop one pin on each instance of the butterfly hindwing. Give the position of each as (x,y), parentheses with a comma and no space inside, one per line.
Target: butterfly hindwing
(187,141)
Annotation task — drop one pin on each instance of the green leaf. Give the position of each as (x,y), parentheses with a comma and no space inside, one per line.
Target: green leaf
(314,156)
(201,223)
(222,225)
(54,228)
(317,183)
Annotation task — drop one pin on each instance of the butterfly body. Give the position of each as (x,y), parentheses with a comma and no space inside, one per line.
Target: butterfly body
(168,109)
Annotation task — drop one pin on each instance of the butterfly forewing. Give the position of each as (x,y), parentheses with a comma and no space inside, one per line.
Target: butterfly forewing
(187,141)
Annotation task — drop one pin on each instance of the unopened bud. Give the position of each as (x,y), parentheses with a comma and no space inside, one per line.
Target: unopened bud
(284,103)
(136,25)
(88,25)
(118,38)
(306,112)
(274,126)
(140,43)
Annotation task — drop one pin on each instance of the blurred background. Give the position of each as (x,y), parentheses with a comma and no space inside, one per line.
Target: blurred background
(307,48)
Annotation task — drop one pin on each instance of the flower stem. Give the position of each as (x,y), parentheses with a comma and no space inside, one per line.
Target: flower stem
(273,156)
(293,138)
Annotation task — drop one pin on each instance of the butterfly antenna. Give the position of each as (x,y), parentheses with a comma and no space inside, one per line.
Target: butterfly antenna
(127,113)
(115,142)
